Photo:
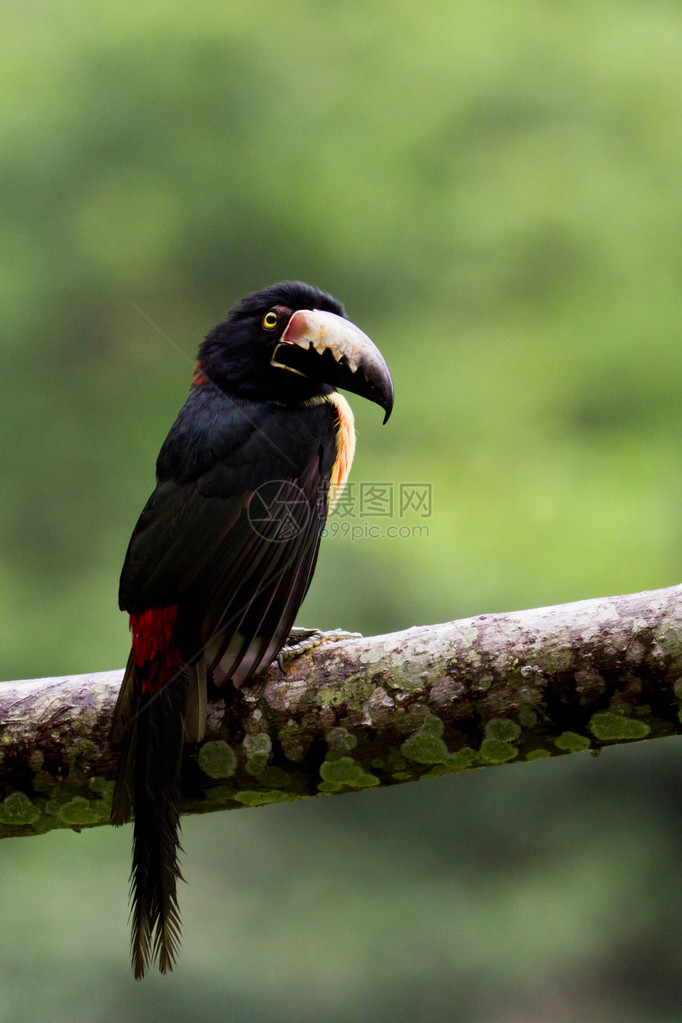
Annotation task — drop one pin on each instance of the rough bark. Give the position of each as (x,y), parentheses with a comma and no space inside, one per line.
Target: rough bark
(367,712)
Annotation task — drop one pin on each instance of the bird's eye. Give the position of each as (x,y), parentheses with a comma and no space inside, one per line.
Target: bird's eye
(270,320)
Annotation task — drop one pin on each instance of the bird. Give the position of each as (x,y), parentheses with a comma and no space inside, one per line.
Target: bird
(223,553)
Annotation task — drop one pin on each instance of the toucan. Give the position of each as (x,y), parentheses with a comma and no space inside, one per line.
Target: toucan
(224,550)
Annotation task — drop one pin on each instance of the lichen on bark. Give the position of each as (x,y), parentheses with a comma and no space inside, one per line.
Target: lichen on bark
(368,712)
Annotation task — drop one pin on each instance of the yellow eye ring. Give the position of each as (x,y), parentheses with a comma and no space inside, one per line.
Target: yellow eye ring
(270,320)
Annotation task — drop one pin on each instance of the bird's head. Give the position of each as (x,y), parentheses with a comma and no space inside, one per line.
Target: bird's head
(290,342)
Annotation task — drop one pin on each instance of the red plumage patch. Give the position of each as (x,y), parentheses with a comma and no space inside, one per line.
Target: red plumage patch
(198,376)
(155,649)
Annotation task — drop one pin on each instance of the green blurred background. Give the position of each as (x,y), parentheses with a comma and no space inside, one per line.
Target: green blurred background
(493,191)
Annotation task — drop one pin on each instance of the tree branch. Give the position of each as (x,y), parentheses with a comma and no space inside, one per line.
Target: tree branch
(366,712)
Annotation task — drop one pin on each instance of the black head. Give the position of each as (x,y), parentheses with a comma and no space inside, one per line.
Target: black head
(264,350)
(236,354)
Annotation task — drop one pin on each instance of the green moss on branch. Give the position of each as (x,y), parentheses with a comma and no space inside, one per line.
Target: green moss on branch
(364,713)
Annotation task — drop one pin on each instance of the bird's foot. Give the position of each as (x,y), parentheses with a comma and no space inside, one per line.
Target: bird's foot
(300,641)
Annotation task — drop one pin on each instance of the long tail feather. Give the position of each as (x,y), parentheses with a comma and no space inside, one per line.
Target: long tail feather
(149,778)
(155,870)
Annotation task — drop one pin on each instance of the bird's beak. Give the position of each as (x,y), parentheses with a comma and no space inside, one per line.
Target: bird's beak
(331,349)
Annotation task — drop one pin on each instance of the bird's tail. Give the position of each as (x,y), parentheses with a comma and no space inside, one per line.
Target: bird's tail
(148,725)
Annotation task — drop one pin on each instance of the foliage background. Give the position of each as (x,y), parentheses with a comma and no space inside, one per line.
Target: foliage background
(494,192)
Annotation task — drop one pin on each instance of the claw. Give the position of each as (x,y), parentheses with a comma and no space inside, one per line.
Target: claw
(300,641)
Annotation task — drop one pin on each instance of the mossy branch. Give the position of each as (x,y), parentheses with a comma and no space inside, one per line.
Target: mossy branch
(367,712)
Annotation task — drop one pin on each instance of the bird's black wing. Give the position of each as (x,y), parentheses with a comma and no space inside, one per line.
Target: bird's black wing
(232,531)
